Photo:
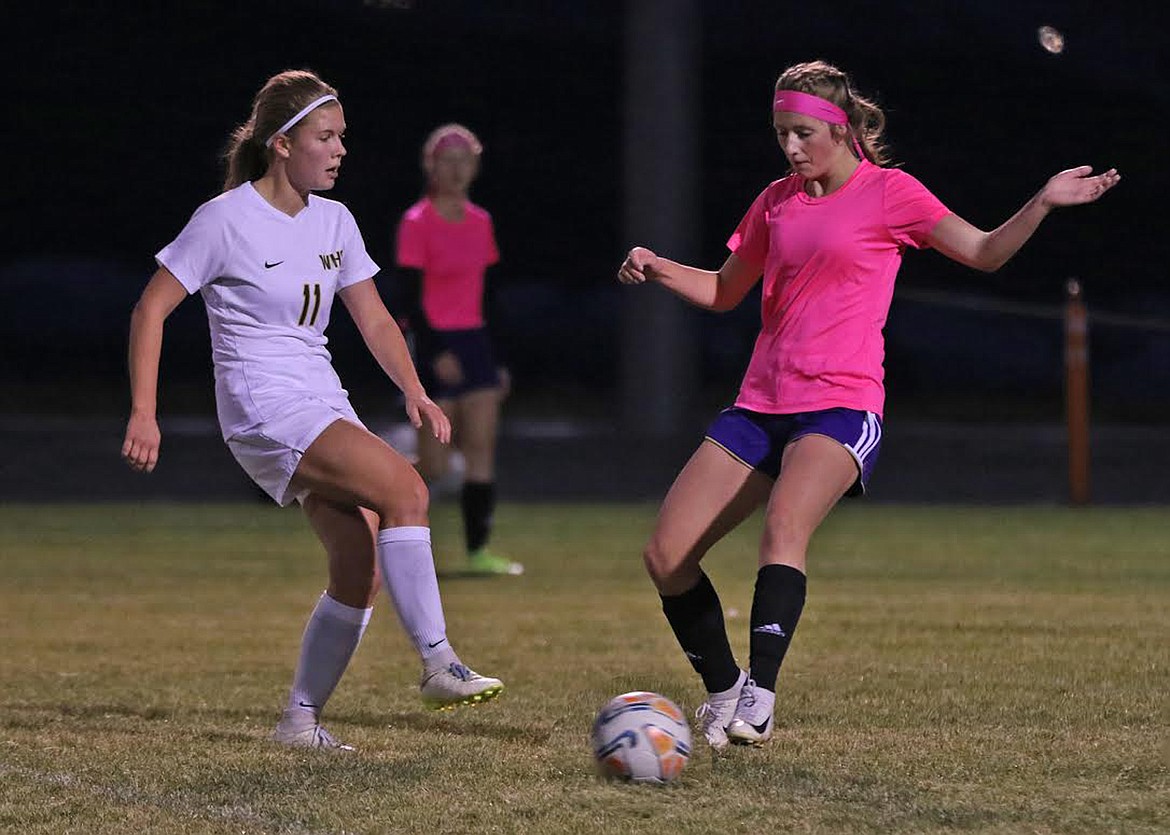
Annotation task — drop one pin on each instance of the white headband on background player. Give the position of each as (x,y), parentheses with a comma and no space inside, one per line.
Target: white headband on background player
(309,108)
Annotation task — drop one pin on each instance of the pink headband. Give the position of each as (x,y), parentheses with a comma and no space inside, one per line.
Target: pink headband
(453,137)
(791,101)
(449,140)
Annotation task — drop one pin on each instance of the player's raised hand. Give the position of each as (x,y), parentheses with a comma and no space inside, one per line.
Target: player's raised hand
(639,266)
(1078,185)
(143,438)
(419,407)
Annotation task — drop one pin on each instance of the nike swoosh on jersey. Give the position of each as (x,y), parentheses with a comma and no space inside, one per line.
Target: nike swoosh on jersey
(269,266)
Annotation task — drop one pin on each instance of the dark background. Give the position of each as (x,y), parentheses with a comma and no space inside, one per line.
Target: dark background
(117,113)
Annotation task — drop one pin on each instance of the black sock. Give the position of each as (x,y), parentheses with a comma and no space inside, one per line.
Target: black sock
(696,617)
(776,607)
(478,501)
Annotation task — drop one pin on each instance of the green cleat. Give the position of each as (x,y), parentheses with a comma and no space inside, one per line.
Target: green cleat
(484,561)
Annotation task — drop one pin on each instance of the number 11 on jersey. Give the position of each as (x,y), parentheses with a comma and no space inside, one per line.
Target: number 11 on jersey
(316,299)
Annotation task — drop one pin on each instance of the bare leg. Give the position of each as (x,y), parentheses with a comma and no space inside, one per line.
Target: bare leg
(815,473)
(711,496)
(349,467)
(479,418)
(713,493)
(338,621)
(349,534)
(433,457)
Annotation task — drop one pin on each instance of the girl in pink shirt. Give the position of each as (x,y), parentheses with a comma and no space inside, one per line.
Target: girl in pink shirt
(806,426)
(446,243)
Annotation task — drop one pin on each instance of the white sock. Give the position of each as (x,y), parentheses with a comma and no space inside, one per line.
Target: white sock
(331,636)
(408,570)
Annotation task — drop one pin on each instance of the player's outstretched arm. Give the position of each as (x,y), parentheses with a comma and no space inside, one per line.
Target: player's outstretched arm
(988,251)
(162,295)
(709,290)
(384,339)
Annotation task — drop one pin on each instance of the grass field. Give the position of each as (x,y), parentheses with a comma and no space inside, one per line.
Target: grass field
(957,669)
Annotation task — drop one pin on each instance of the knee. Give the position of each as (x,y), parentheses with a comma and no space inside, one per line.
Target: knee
(669,569)
(785,538)
(407,501)
(477,449)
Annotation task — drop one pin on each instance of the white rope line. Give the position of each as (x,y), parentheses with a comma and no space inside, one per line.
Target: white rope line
(984,304)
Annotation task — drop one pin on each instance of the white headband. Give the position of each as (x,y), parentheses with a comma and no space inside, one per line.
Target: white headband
(311,106)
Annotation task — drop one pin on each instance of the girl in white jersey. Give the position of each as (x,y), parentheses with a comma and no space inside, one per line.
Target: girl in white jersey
(268,257)
(806,427)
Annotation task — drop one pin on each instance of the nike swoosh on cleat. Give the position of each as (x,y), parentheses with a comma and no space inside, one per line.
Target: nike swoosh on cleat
(763,726)
(269,266)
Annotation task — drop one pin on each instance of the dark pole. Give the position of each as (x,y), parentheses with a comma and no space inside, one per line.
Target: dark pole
(661,141)
(1076,390)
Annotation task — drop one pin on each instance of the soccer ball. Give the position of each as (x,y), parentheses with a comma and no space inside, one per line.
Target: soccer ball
(642,737)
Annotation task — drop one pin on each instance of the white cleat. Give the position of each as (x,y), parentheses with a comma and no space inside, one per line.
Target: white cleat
(454,685)
(715,714)
(752,723)
(300,729)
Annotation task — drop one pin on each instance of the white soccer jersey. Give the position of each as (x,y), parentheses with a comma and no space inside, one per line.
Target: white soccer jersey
(268,282)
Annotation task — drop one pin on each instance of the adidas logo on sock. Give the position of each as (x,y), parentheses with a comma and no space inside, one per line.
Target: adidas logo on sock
(771,629)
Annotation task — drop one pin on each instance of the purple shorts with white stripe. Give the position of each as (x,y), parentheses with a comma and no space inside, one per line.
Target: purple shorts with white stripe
(758,440)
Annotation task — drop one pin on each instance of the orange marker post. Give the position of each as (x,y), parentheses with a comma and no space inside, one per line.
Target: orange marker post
(1076,392)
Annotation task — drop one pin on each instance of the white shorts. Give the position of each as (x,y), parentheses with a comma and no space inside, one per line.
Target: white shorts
(271,452)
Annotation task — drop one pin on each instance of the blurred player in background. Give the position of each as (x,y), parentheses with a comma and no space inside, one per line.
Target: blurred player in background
(806,427)
(268,256)
(445,243)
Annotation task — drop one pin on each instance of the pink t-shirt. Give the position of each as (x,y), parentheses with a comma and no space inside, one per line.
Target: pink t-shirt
(829,265)
(453,257)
